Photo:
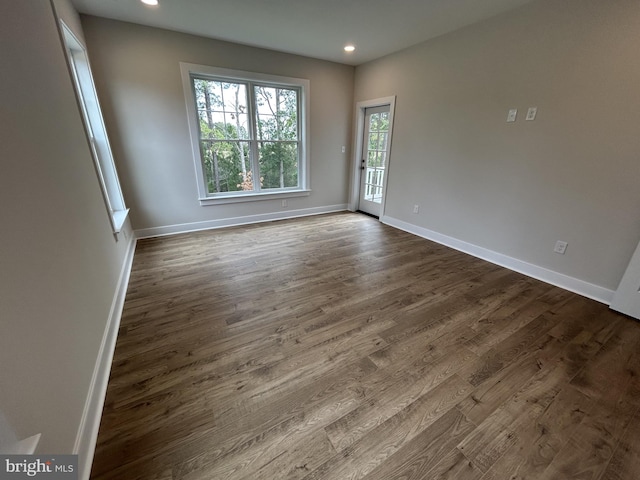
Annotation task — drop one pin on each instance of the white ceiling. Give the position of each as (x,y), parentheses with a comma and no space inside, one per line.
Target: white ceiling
(314,28)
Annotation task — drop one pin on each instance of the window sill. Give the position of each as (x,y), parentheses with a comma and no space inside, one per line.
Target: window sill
(119,217)
(255,197)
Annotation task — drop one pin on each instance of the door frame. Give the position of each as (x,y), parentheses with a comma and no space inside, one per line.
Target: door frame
(358,145)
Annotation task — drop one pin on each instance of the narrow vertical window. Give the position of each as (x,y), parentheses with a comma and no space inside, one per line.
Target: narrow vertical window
(96,132)
(277,125)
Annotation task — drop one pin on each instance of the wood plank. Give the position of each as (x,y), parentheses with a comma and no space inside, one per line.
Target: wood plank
(625,462)
(419,457)
(454,466)
(336,347)
(590,449)
(387,392)
(538,443)
(366,454)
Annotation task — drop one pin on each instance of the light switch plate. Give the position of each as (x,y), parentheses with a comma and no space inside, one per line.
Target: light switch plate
(511,116)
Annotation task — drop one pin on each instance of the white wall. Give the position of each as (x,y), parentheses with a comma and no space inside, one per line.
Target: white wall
(59,261)
(139,84)
(7,435)
(573,174)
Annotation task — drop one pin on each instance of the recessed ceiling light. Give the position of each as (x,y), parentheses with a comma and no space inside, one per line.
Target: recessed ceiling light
(349,48)
(150,2)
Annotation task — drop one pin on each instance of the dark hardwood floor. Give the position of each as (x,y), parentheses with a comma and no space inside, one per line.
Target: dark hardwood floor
(335,347)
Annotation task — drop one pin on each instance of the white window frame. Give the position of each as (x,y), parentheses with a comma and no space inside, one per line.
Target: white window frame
(188,71)
(95,128)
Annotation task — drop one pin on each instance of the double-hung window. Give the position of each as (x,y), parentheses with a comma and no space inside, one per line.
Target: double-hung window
(248,134)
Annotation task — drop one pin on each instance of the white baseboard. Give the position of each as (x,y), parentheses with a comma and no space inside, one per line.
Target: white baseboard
(235,221)
(566,282)
(89,425)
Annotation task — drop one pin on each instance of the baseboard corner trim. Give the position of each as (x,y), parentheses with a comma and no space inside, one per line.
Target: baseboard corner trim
(572,284)
(236,221)
(90,423)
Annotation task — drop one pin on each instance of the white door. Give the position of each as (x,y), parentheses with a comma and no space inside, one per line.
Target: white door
(627,298)
(373,161)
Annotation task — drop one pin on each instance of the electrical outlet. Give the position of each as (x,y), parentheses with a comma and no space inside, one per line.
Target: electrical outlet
(344,149)
(511,116)
(284,203)
(416,208)
(560,247)
(531,113)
